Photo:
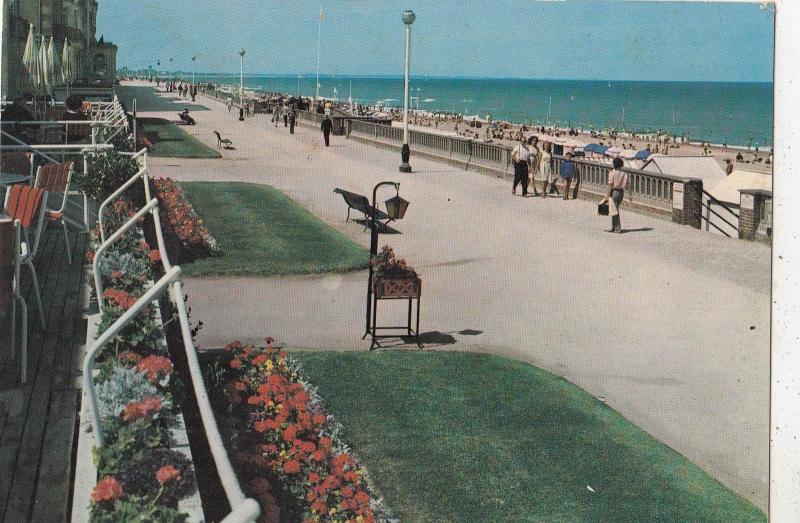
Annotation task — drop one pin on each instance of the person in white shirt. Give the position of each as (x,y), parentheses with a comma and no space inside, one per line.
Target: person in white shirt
(617,181)
(519,158)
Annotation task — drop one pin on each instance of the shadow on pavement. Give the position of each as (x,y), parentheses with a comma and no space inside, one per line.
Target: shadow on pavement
(642,229)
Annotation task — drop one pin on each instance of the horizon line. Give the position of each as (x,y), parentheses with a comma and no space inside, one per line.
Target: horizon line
(458,77)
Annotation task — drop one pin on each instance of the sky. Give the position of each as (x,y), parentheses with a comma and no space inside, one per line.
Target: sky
(574,39)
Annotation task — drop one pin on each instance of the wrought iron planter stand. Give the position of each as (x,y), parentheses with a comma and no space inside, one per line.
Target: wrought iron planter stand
(401,289)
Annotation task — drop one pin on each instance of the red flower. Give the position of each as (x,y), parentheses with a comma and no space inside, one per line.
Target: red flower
(239,386)
(117,275)
(168,474)
(307,447)
(155,367)
(121,298)
(233,346)
(236,363)
(319,419)
(107,489)
(290,433)
(362,497)
(291,467)
(154,255)
(149,405)
(325,442)
(313,477)
(261,426)
(259,360)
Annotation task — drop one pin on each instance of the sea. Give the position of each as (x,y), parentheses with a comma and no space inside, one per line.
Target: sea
(732,113)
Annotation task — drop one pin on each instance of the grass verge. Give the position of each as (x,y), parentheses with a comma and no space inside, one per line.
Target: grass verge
(171,141)
(263,232)
(466,437)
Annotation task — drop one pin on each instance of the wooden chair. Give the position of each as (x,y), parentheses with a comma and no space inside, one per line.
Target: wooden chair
(55,179)
(27,204)
(223,141)
(10,295)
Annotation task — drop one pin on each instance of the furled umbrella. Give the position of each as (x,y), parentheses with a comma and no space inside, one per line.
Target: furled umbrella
(44,68)
(30,59)
(54,62)
(66,65)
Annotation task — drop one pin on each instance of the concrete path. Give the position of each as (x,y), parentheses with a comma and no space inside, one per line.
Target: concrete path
(669,324)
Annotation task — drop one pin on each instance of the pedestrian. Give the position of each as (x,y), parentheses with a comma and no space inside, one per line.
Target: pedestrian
(327,127)
(546,173)
(519,157)
(617,181)
(728,167)
(286,116)
(567,172)
(230,104)
(533,161)
(292,119)
(276,115)
(194,92)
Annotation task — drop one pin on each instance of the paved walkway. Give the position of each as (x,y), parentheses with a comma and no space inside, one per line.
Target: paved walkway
(669,324)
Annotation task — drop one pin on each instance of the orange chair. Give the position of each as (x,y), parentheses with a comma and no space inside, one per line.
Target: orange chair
(26,204)
(55,179)
(10,259)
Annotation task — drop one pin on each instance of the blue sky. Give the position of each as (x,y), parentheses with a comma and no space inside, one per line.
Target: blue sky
(612,40)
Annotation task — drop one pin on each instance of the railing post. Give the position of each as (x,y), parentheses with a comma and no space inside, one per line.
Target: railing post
(751,203)
(687,202)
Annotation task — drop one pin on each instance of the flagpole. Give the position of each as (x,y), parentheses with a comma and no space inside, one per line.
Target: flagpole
(319,39)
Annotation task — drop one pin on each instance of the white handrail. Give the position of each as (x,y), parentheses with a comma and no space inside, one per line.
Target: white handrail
(142,173)
(88,362)
(77,147)
(114,237)
(243,509)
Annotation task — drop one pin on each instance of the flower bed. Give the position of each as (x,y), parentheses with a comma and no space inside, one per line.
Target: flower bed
(142,474)
(285,444)
(186,237)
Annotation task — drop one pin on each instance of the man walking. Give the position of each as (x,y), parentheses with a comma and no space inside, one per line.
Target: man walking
(519,157)
(568,171)
(292,119)
(327,127)
(286,116)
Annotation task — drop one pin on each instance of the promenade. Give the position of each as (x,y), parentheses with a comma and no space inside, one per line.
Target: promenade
(670,325)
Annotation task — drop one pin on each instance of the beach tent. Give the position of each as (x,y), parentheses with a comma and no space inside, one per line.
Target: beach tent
(704,167)
(728,189)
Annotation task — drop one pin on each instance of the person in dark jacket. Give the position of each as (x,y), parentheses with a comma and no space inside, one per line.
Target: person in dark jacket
(292,119)
(327,127)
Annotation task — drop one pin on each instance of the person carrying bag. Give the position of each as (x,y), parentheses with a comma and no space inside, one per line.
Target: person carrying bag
(617,181)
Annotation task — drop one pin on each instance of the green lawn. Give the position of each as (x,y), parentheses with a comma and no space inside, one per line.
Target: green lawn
(263,232)
(465,437)
(171,141)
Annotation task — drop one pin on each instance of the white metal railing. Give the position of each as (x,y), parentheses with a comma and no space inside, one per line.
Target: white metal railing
(243,509)
(141,174)
(153,203)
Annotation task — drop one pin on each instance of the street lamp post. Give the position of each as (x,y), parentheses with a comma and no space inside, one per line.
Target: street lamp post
(193,60)
(241,87)
(405,153)
(395,210)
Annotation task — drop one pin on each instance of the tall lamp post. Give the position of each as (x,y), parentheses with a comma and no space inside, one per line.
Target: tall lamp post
(241,87)
(395,210)
(405,153)
(193,60)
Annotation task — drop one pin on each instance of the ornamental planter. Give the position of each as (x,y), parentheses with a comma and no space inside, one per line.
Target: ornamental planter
(409,287)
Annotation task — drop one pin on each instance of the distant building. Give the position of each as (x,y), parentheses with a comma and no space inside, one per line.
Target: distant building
(75,20)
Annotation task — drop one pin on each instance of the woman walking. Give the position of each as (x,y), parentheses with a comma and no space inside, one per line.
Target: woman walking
(533,161)
(546,169)
(617,181)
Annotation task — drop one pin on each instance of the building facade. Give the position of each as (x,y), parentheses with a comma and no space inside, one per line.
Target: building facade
(75,20)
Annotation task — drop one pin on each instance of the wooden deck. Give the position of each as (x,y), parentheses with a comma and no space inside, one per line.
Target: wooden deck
(38,420)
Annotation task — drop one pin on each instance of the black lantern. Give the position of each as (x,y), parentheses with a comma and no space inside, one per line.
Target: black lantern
(396,208)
